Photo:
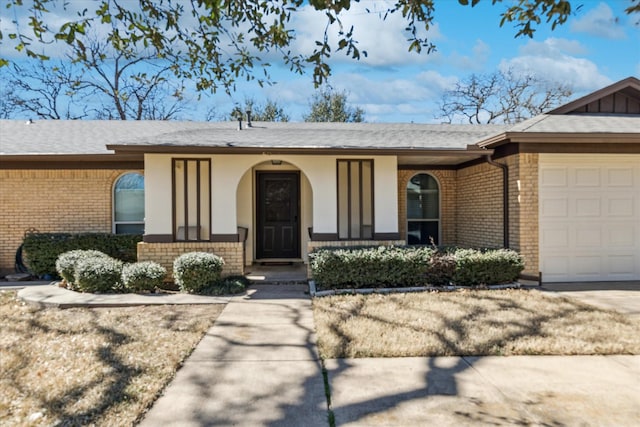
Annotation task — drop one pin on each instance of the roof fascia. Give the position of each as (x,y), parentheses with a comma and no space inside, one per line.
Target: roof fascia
(174,149)
(594,96)
(559,137)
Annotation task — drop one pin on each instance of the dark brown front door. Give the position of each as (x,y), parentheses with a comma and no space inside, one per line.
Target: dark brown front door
(278,212)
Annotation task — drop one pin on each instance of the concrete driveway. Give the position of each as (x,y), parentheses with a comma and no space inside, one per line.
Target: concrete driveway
(620,296)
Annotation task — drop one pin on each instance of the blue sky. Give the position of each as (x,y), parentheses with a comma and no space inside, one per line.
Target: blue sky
(597,46)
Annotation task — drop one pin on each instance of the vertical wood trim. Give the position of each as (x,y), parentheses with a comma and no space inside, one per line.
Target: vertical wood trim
(372,184)
(173,199)
(186,200)
(210,218)
(198,200)
(360,199)
(338,196)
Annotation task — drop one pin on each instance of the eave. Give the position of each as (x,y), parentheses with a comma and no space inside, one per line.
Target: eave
(560,138)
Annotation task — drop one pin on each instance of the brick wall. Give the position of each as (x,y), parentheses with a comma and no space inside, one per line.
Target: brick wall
(479,206)
(447,182)
(165,253)
(52,201)
(523,208)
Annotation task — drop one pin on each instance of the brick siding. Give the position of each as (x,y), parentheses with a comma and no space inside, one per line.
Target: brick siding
(71,201)
(523,207)
(165,253)
(479,206)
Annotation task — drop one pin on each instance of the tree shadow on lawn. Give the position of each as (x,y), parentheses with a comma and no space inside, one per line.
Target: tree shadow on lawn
(367,395)
(46,372)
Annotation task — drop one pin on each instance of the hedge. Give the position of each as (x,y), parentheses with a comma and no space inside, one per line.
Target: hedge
(388,266)
(43,249)
(367,267)
(476,267)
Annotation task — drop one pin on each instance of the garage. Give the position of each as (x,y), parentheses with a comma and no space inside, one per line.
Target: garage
(589,217)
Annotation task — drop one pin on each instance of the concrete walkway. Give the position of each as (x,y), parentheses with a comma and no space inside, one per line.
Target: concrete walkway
(55,296)
(257,366)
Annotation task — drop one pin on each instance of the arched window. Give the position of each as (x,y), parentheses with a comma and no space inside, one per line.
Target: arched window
(423,210)
(128,204)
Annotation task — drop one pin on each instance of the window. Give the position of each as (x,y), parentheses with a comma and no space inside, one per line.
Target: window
(423,210)
(191,199)
(355,199)
(128,204)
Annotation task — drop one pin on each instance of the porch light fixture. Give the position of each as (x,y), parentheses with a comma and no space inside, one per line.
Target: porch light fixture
(276,162)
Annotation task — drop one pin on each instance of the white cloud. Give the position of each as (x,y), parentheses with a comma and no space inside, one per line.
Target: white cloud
(599,22)
(553,47)
(554,60)
(478,59)
(385,40)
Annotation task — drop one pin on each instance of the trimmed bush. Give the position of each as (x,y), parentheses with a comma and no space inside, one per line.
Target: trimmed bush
(43,249)
(383,266)
(67,262)
(343,268)
(487,267)
(98,274)
(194,271)
(143,276)
(441,268)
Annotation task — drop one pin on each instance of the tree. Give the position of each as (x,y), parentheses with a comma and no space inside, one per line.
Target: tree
(214,43)
(108,86)
(270,111)
(501,97)
(43,89)
(327,105)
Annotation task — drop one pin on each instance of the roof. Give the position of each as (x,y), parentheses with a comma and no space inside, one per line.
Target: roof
(593,128)
(110,141)
(102,137)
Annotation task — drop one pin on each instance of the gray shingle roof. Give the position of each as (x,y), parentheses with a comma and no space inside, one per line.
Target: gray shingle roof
(92,137)
(580,123)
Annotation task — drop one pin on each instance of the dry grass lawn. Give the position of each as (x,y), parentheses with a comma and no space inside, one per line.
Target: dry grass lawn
(476,322)
(101,366)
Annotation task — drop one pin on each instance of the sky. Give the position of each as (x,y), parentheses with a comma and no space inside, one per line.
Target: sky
(597,46)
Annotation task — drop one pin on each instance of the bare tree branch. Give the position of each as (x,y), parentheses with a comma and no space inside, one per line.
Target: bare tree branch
(500,97)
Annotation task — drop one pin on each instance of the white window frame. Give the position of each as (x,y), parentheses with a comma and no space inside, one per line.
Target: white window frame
(115,223)
(438,220)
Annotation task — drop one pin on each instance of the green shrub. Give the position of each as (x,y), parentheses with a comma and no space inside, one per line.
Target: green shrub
(383,266)
(98,274)
(43,249)
(374,267)
(195,271)
(487,267)
(441,268)
(143,276)
(67,262)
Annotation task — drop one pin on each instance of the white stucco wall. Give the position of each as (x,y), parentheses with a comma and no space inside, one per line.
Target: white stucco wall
(157,198)
(233,194)
(385,204)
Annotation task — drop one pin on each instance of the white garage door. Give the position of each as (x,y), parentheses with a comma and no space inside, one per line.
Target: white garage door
(589,209)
